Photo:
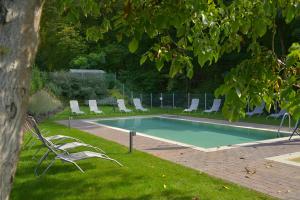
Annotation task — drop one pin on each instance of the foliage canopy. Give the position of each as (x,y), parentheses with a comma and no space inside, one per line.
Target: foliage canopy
(206,30)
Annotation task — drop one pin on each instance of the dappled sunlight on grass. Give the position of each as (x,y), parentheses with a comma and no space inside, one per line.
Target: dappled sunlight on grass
(142,177)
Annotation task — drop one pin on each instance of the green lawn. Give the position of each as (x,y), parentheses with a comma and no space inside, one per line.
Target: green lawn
(109,112)
(142,177)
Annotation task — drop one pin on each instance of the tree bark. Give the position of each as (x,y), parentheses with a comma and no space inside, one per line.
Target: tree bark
(19,26)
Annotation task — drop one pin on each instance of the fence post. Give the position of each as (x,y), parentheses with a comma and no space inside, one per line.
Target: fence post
(161,100)
(141,96)
(188,100)
(205,101)
(173,100)
(248,107)
(151,100)
(123,90)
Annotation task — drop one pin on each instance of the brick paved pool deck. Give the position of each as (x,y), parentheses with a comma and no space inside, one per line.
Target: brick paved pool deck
(270,177)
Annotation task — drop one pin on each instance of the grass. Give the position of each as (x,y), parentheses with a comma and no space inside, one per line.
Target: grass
(143,177)
(110,112)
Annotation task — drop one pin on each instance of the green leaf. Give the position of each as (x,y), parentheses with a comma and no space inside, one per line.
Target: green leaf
(119,37)
(190,73)
(238,92)
(159,65)
(290,15)
(143,59)
(175,68)
(202,59)
(133,45)
(260,28)
(94,34)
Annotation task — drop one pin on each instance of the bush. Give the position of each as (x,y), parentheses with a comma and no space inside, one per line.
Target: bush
(43,103)
(75,86)
(37,80)
(89,61)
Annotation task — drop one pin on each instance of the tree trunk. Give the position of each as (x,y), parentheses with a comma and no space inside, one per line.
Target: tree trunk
(19,26)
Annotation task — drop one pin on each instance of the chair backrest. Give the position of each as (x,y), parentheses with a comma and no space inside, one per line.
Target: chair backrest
(194,105)
(93,105)
(282,112)
(28,128)
(31,121)
(216,105)
(74,106)
(121,104)
(137,103)
(259,109)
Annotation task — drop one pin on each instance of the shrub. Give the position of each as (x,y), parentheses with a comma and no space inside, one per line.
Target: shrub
(75,86)
(37,80)
(43,103)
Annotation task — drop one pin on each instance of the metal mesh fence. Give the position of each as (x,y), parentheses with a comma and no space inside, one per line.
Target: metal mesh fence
(171,99)
(105,88)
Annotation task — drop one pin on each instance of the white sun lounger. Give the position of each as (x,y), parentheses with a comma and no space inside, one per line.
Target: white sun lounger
(138,105)
(193,107)
(258,110)
(121,106)
(277,115)
(30,122)
(215,107)
(75,107)
(93,107)
(64,156)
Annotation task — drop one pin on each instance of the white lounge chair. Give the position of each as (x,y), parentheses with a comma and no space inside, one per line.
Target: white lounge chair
(30,123)
(75,107)
(193,107)
(64,156)
(258,110)
(138,105)
(57,138)
(93,107)
(121,106)
(215,107)
(277,115)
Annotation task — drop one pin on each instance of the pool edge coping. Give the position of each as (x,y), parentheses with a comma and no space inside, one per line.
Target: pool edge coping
(285,158)
(212,149)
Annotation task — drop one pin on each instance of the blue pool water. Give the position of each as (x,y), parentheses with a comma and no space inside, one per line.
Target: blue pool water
(193,133)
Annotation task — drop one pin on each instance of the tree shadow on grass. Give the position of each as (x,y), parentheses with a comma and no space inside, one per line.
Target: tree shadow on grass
(78,187)
(64,181)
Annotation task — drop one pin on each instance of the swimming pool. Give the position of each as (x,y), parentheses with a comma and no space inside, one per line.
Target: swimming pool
(203,135)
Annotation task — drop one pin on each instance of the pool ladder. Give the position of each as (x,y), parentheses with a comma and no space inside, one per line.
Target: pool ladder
(281,123)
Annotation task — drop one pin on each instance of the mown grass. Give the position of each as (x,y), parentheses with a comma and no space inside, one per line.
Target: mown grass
(143,177)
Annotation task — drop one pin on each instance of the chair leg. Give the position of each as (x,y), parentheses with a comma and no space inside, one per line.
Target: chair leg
(48,167)
(97,148)
(40,162)
(36,152)
(108,158)
(74,163)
